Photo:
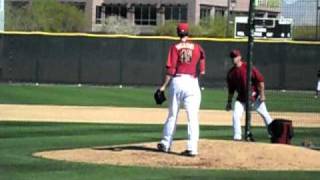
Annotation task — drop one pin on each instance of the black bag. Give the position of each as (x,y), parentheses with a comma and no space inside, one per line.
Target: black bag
(281,131)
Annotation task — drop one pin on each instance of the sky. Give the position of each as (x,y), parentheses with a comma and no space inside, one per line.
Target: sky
(303,12)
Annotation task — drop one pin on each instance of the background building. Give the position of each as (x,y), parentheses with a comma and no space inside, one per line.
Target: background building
(146,15)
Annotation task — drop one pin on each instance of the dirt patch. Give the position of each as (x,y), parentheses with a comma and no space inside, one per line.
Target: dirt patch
(214,154)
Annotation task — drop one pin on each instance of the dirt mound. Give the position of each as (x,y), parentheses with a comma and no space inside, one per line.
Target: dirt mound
(214,154)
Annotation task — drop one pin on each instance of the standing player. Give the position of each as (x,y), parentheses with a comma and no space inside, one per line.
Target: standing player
(182,62)
(236,80)
(318,85)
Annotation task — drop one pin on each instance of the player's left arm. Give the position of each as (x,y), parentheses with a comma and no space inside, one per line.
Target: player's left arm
(202,61)
(258,77)
(261,91)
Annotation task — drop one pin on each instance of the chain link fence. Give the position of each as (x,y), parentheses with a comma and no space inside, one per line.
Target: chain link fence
(305,15)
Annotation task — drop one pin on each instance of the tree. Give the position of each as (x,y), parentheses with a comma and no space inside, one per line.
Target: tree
(210,27)
(170,29)
(274,3)
(215,27)
(118,25)
(167,29)
(44,15)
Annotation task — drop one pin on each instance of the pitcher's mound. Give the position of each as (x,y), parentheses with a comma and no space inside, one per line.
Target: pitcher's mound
(213,154)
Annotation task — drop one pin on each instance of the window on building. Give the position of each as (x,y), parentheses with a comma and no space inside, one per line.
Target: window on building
(145,15)
(98,14)
(259,2)
(205,12)
(116,10)
(110,10)
(176,12)
(219,11)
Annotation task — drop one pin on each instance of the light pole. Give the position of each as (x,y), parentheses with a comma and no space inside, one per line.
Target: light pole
(230,6)
(228,15)
(1,15)
(248,134)
(317,20)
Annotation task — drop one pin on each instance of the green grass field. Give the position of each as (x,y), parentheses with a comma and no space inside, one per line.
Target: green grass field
(18,140)
(290,101)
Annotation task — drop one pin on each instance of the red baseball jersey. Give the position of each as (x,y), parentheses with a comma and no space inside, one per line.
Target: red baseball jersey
(184,57)
(237,81)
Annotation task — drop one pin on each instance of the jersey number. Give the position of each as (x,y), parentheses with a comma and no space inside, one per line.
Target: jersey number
(185,55)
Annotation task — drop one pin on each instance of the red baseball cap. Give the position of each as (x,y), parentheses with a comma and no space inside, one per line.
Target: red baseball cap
(235,53)
(183,27)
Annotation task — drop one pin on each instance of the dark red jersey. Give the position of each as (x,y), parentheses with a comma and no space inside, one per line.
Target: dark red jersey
(237,81)
(183,58)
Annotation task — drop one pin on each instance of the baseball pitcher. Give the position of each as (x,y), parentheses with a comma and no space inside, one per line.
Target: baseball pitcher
(182,77)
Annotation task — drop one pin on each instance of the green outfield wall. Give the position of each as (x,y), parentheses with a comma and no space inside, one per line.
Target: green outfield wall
(137,60)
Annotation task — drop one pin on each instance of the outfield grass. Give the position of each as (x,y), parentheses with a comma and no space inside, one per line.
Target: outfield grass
(18,140)
(289,101)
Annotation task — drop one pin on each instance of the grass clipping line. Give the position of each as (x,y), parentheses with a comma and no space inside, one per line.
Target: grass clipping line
(214,154)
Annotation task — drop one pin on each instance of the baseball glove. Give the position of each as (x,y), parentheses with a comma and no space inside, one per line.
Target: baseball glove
(159,97)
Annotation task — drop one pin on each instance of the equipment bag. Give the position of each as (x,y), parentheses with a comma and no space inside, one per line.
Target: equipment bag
(281,131)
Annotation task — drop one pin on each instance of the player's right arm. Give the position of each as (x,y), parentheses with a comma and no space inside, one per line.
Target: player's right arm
(229,103)
(165,83)
(231,90)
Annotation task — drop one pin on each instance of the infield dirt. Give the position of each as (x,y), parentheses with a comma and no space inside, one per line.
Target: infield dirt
(99,114)
(214,154)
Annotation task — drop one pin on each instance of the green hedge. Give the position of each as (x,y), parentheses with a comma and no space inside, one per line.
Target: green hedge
(211,27)
(44,15)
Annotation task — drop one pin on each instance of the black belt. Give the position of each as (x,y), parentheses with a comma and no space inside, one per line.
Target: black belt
(180,75)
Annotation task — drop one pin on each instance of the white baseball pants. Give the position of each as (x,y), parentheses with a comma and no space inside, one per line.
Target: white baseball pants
(238,110)
(184,89)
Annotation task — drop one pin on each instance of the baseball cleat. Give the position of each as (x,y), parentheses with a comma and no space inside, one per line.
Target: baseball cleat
(188,153)
(161,147)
